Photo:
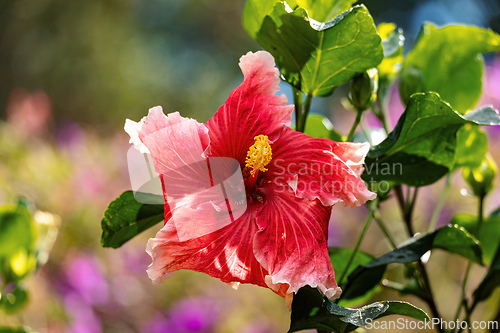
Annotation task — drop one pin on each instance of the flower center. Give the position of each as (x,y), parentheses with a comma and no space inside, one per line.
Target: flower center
(259,154)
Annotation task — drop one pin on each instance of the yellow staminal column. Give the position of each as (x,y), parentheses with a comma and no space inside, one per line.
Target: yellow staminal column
(259,155)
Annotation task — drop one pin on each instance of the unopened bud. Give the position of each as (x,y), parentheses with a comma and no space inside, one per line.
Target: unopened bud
(364,88)
(480,179)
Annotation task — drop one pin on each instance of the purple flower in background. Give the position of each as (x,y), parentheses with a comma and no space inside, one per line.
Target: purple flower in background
(82,287)
(186,316)
(84,277)
(84,319)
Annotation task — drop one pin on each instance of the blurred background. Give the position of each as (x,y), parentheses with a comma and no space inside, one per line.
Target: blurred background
(71,72)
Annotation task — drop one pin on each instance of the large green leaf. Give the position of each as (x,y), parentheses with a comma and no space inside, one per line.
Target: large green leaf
(126,218)
(451,238)
(490,233)
(315,57)
(311,309)
(448,61)
(422,146)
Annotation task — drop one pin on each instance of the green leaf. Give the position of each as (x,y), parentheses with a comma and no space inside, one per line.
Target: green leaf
(451,238)
(495,213)
(449,62)
(126,218)
(315,57)
(324,10)
(491,280)
(254,15)
(490,233)
(311,309)
(17,241)
(340,257)
(472,146)
(318,126)
(421,148)
(14,300)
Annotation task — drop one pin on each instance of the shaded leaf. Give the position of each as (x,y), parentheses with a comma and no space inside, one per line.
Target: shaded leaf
(491,280)
(422,146)
(495,213)
(340,258)
(126,218)
(316,57)
(449,62)
(311,309)
(451,238)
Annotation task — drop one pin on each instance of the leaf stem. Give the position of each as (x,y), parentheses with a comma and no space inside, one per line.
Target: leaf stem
(373,207)
(440,203)
(354,126)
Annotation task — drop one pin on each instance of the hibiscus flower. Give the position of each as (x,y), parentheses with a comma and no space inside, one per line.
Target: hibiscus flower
(248,199)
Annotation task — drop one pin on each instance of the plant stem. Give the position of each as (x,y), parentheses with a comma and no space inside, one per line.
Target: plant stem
(367,134)
(297,100)
(430,301)
(440,203)
(373,207)
(463,302)
(384,229)
(462,293)
(305,113)
(406,208)
(354,126)
(407,212)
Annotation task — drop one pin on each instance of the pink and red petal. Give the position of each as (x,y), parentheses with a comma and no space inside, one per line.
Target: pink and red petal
(252,109)
(291,243)
(320,168)
(226,254)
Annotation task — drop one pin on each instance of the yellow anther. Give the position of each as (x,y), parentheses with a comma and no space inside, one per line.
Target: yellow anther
(259,154)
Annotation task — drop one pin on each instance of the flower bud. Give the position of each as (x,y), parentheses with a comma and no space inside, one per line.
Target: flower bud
(480,179)
(364,88)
